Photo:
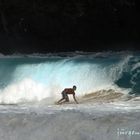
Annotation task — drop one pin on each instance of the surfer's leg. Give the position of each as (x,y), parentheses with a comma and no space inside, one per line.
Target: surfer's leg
(67,98)
(60,100)
(63,97)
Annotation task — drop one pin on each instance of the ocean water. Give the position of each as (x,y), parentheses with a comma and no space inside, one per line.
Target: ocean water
(108,88)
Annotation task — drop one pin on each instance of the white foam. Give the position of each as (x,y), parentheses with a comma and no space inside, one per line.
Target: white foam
(35,82)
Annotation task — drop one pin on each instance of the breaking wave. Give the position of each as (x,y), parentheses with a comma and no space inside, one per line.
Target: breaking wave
(36,78)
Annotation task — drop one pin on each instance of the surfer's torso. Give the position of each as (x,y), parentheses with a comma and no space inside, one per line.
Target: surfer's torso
(69,91)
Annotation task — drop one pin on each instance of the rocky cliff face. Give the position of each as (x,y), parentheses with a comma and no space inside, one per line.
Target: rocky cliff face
(64,24)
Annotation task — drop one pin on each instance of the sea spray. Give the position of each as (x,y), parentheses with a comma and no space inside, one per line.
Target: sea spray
(32,79)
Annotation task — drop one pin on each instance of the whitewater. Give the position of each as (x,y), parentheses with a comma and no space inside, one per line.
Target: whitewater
(108,88)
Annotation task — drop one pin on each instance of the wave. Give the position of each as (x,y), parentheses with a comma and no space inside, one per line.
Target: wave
(67,54)
(33,79)
(105,96)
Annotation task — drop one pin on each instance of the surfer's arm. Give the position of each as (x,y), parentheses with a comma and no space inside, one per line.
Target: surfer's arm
(75,98)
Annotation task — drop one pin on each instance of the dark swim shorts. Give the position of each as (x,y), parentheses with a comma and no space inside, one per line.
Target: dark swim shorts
(65,96)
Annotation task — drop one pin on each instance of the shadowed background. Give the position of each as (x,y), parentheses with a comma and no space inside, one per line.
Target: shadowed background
(41,26)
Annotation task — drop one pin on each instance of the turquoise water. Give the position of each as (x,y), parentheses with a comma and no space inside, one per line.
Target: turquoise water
(29,77)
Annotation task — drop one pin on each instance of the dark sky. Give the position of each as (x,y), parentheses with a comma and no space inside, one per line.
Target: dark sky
(43,26)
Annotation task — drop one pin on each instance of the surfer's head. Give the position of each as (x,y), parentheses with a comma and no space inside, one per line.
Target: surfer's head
(74,87)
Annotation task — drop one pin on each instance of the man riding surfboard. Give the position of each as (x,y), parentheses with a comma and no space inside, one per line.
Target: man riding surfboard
(65,93)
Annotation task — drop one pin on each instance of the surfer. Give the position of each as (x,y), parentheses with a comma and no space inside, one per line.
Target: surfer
(65,93)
